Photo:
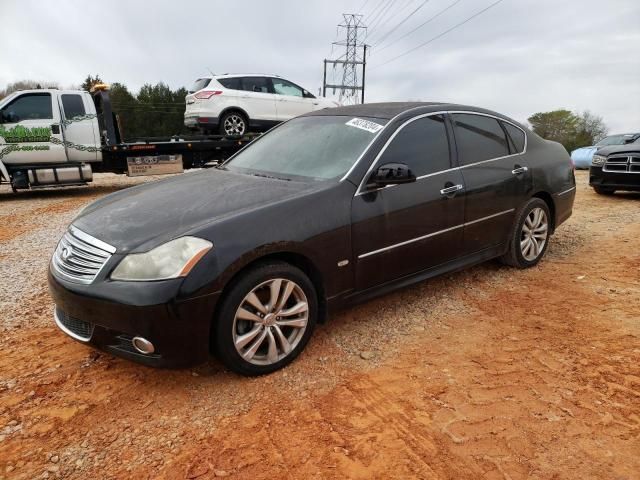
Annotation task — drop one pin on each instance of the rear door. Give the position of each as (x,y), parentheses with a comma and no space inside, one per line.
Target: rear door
(30,130)
(290,99)
(78,127)
(403,229)
(496,179)
(257,99)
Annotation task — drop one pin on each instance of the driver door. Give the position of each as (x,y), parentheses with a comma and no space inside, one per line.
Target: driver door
(403,229)
(290,99)
(30,130)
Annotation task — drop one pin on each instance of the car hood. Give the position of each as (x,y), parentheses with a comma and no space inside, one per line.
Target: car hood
(142,217)
(628,148)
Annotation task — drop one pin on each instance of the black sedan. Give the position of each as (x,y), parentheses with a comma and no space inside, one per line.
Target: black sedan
(616,168)
(325,210)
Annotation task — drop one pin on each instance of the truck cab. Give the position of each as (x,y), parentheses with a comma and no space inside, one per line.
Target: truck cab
(48,137)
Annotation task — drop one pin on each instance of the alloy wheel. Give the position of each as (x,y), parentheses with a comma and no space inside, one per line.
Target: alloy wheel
(270,321)
(535,231)
(234,125)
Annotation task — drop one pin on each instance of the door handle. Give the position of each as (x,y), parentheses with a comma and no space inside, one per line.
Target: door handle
(518,170)
(451,189)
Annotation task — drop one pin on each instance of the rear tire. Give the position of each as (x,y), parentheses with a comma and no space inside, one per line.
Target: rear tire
(233,124)
(604,191)
(266,319)
(529,238)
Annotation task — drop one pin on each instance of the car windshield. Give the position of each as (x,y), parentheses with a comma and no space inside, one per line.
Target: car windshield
(315,147)
(614,140)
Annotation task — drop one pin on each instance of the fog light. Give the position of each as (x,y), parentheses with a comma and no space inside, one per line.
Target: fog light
(143,345)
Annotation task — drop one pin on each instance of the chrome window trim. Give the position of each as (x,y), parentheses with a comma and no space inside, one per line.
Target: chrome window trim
(362,191)
(433,234)
(67,331)
(564,192)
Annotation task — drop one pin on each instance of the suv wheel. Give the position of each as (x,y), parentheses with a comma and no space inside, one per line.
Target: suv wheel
(530,236)
(266,319)
(604,191)
(233,124)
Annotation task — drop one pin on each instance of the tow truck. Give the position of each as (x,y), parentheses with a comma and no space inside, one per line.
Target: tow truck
(53,138)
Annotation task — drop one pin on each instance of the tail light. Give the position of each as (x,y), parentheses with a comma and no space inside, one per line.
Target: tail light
(206,94)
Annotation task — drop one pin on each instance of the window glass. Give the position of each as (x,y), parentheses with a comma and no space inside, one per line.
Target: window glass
(284,87)
(256,84)
(479,138)
(31,106)
(72,105)
(422,145)
(230,83)
(199,84)
(516,135)
(317,147)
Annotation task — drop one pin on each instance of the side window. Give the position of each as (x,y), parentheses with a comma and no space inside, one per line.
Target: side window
(230,83)
(284,87)
(479,138)
(72,105)
(516,135)
(422,145)
(31,106)
(256,84)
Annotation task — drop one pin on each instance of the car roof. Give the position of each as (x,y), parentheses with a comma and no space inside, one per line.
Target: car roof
(233,75)
(390,110)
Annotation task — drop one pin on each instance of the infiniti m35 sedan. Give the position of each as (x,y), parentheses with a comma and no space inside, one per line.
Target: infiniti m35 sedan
(327,209)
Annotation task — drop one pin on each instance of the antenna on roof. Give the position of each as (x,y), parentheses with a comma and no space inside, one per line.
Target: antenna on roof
(212,74)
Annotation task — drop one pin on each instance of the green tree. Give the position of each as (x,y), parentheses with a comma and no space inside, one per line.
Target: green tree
(90,81)
(573,130)
(25,85)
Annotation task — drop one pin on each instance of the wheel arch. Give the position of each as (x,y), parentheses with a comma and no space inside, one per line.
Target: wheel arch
(548,199)
(235,108)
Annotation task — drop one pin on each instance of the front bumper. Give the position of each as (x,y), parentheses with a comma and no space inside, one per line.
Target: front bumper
(619,181)
(178,328)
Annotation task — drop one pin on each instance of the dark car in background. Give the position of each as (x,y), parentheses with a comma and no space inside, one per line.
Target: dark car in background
(616,168)
(325,210)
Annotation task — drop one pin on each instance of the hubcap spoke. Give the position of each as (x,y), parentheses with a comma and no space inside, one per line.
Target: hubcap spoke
(284,343)
(243,340)
(253,300)
(245,314)
(298,308)
(296,323)
(272,353)
(251,351)
(274,288)
(284,296)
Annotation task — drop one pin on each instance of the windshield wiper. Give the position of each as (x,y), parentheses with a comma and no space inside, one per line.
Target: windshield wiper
(270,176)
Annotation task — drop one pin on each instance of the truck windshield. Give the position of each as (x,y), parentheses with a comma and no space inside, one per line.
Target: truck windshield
(614,140)
(315,147)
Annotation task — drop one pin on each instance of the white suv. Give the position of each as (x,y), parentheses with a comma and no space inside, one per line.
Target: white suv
(235,104)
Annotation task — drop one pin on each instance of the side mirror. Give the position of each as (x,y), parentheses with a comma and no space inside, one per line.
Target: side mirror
(306,94)
(8,117)
(629,140)
(392,174)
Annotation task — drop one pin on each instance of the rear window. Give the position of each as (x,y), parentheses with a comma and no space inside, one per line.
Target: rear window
(72,105)
(256,84)
(230,83)
(200,84)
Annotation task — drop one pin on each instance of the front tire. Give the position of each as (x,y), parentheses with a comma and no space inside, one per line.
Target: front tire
(530,236)
(233,124)
(266,319)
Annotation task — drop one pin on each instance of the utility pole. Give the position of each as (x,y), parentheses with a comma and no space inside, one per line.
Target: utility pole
(355,55)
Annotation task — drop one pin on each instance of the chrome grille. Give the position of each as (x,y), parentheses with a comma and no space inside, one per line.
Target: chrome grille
(623,163)
(78,329)
(79,257)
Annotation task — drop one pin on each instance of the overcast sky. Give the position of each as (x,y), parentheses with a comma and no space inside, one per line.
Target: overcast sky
(519,57)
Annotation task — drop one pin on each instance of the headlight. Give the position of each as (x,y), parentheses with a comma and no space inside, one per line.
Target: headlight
(598,160)
(170,260)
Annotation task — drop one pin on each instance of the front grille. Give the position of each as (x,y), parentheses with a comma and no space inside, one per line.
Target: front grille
(623,163)
(72,326)
(79,257)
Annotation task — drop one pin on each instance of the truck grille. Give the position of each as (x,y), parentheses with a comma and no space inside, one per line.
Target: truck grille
(79,257)
(623,163)
(78,329)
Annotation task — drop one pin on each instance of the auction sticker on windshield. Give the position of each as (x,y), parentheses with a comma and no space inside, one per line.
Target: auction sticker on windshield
(363,124)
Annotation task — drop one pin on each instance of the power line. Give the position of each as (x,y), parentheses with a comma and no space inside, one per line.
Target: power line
(384,37)
(393,15)
(363,5)
(422,24)
(373,23)
(440,35)
(374,12)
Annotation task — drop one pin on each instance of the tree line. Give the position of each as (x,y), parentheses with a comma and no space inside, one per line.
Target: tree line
(157,110)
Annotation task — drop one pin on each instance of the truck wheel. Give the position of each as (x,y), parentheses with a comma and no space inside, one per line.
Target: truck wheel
(604,191)
(530,236)
(233,124)
(265,319)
